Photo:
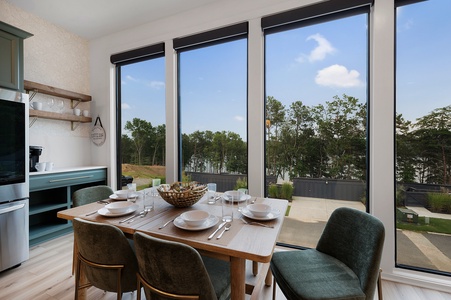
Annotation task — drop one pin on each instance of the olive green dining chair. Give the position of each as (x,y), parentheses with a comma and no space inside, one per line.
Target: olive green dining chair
(344,265)
(172,270)
(91,194)
(85,196)
(106,256)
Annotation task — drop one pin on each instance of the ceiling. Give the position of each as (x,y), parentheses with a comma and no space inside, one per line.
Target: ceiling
(92,19)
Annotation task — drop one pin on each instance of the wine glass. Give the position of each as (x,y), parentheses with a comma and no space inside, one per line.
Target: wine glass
(50,103)
(60,105)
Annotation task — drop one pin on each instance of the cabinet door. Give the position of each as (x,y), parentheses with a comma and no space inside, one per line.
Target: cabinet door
(10,61)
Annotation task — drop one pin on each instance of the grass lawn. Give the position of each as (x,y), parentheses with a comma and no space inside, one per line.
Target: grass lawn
(435,225)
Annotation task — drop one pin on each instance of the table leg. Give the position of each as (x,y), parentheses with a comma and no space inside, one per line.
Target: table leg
(255,268)
(238,278)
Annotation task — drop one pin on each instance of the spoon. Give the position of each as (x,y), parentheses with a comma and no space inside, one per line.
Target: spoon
(227,228)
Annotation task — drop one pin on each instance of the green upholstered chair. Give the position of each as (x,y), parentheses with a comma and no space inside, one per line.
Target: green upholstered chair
(172,270)
(106,256)
(344,265)
(91,194)
(85,196)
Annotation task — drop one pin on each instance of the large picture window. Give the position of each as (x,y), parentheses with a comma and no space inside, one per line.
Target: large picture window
(316,119)
(423,136)
(212,95)
(141,124)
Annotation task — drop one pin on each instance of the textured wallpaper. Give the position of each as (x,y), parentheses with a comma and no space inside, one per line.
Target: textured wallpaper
(56,57)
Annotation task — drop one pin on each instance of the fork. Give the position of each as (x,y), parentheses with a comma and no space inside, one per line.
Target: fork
(141,214)
(256,223)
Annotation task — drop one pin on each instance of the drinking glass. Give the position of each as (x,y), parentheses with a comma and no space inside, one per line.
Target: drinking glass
(228,205)
(148,199)
(131,194)
(156,182)
(242,204)
(211,192)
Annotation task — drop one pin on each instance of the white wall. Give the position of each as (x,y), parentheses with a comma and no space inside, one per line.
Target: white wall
(55,57)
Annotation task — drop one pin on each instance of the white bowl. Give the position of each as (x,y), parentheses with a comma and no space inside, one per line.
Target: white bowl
(118,207)
(259,209)
(195,218)
(235,195)
(121,194)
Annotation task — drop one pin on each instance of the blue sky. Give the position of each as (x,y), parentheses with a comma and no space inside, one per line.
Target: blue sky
(311,64)
(423,60)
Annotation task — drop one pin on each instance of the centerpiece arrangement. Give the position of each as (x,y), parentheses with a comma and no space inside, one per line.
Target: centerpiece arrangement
(182,194)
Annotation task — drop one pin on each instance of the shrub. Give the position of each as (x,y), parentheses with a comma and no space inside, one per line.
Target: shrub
(439,202)
(273,191)
(400,196)
(241,183)
(286,191)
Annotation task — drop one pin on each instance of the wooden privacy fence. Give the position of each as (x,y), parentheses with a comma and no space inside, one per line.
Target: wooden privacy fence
(303,187)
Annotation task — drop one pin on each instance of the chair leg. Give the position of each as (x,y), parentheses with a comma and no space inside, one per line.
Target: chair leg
(138,290)
(379,285)
(273,288)
(74,257)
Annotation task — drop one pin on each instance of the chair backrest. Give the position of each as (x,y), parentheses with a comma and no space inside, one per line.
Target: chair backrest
(172,267)
(106,244)
(91,194)
(355,238)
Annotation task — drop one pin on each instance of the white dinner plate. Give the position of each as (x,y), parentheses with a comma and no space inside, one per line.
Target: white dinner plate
(106,213)
(243,198)
(210,222)
(274,214)
(119,198)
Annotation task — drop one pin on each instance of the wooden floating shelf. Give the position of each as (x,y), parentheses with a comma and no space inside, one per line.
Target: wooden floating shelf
(53,91)
(57,116)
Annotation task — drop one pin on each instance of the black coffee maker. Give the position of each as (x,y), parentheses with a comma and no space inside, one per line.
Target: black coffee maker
(35,152)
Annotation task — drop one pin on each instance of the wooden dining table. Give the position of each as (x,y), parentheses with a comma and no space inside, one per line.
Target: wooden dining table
(242,242)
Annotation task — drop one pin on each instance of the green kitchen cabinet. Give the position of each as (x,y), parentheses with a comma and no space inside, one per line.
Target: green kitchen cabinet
(51,192)
(11,56)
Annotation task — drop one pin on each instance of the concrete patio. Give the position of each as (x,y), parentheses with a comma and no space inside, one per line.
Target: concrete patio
(308,216)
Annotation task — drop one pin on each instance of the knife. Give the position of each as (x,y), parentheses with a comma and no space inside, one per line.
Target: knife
(216,231)
(165,224)
(125,220)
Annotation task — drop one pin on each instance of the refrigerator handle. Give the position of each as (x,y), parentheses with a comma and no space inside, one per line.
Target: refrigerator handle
(11,208)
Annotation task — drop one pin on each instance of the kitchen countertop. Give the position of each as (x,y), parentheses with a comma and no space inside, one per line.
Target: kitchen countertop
(69,169)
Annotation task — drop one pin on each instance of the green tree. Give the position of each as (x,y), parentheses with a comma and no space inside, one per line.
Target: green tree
(236,160)
(342,132)
(275,117)
(405,151)
(127,149)
(433,134)
(140,131)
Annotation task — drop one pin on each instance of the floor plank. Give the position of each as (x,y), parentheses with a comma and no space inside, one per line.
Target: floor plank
(47,276)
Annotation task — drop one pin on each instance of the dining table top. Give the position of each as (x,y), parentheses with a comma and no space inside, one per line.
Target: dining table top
(242,242)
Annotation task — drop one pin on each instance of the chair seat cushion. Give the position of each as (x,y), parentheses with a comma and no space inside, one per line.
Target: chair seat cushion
(312,275)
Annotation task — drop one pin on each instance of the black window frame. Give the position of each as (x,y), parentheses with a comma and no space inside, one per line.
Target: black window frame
(200,40)
(315,14)
(119,60)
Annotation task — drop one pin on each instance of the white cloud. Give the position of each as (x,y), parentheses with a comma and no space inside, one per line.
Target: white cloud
(128,77)
(125,106)
(239,118)
(320,52)
(338,76)
(157,85)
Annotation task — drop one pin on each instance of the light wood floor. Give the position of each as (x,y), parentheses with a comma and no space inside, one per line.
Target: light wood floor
(47,275)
